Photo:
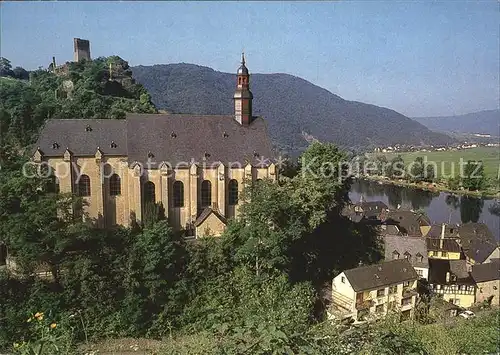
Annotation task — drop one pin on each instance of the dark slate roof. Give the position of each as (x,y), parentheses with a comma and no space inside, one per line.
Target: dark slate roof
(207,212)
(439,267)
(450,231)
(414,246)
(446,244)
(486,272)
(73,134)
(171,138)
(408,222)
(177,138)
(380,275)
(477,241)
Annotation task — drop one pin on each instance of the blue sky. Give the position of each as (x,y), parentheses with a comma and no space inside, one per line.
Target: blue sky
(419,58)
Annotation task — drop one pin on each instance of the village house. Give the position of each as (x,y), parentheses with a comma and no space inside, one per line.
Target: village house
(478,244)
(372,291)
(194,165)
(442,242)
(487,278)
(410,248)
(451,280)
(409,223)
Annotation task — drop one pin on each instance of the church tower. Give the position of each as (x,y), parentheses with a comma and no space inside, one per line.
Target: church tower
(243,96)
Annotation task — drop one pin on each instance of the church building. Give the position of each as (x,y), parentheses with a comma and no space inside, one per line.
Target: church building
(194,165)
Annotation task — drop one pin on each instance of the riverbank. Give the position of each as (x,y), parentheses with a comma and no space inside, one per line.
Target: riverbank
(432,187)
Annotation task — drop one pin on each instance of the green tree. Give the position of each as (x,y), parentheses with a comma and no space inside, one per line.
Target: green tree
(474,178)
(5,67)
(396,168)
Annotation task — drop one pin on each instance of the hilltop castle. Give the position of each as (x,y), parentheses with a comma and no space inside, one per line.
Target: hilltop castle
(194,165)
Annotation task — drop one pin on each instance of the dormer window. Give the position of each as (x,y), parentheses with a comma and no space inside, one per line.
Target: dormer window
(173,134)
(150,155)
(88,128)
(255,154)
(206,155)
(226,135)
(407,256)
(420,258)
(55,145)
(113,144)
(395,255)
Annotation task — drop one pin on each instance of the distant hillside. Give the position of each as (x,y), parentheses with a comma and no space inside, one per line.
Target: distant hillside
(295,109)
(484,122)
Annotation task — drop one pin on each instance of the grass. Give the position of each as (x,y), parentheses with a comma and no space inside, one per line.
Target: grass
(490,156)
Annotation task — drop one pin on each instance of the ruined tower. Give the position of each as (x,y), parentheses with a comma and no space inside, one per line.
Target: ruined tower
(81,49)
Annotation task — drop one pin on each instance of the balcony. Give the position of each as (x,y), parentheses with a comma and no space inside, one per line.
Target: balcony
(364,304)
(408,292)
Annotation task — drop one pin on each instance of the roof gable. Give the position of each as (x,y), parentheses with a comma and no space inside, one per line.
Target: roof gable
(411,246)
(381,275)
(486,272)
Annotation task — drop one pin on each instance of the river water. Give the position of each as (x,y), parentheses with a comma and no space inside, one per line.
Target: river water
(439,206)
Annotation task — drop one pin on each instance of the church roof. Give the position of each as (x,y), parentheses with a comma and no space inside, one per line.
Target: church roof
(82,137)
(171,138)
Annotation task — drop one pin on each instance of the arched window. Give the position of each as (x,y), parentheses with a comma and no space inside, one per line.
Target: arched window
(115,187)
(233,192)
(53,184)
(178,190)
(84,186)
(206,193)
(149,192)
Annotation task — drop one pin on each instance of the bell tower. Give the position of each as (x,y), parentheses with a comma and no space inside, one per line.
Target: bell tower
(243,96)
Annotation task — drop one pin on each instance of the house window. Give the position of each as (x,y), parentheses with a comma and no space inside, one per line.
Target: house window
(342,279)
(420,272)
(494,287)
(444,254)
(233,192)
(457,301)
(381,292)
(420,257)
(406,301)
(379,308)
(393,289)
(395,255)
(391,305)
(84,186)
(178,190)
(206,193)
(149,192)
(115,187)
(406,283)
(434,253)
(407,256)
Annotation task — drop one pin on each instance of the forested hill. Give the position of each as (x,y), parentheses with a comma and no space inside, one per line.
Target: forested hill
(76,90)
(484,122)
(296,110)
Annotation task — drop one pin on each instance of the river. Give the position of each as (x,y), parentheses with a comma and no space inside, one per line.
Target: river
(439,206)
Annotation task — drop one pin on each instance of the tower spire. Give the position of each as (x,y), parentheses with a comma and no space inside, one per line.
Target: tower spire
(243,58)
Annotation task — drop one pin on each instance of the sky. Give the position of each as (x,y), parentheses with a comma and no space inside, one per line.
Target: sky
(426,58)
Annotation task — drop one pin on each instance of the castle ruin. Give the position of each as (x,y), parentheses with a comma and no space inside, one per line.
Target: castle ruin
(81,49)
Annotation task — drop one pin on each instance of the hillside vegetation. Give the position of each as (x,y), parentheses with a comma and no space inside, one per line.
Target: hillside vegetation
(80,90)
(293,107)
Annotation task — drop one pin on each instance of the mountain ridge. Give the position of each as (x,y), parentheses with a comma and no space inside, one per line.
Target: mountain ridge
(290,104)
(480,122)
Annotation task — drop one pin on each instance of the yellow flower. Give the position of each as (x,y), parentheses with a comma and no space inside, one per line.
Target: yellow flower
(39,315)
(16,345)
(53,325)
